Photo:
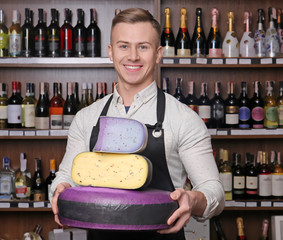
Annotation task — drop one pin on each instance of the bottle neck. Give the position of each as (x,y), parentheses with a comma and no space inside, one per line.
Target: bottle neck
(167,21)
(230,25)
(183,24)
(214,23)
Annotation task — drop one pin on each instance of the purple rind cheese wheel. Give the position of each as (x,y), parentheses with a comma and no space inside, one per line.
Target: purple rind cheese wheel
(115,209)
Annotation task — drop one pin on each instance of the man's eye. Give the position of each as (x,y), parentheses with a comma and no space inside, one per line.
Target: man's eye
(123,46)
(143,47)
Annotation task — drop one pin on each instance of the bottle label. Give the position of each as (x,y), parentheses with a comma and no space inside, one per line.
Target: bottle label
(272,43)
(232,119)
(39,43)
(68,120)
(265,187)
(231,46)
(259,43)
(29,115)
(42,122)
(204,111)
(183,52)
(56,121)
(239,182)
(247,45)
(15,45)
(38,195)
(53,46)
(277,183)
(5,185)
(3,40)
(244,113)
(226,179)
(15,114)
(251,182)
(218,111)
(3,112)
(21,191)
(257,114)
(270,117)
(168,51)
(280,115)
(215,53)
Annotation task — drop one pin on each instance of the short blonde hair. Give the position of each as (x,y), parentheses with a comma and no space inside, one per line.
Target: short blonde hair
(136,15)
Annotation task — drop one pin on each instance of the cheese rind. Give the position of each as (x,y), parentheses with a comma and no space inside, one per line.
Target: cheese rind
(120,135)
(126,171)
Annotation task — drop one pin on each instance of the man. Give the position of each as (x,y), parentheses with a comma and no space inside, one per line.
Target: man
(179,145)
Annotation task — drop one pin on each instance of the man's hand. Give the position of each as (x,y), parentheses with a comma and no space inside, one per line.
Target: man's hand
(60,188)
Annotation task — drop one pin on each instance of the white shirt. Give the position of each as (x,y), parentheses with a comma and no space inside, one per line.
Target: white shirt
(187,143)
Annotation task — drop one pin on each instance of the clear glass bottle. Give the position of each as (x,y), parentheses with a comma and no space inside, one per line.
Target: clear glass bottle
(4,40)
(28,108)
(7,181)
(259,36)
(15,35)
(270,107)
(247,43)
(277,178)
(225,175)
(23,181)
(264,178)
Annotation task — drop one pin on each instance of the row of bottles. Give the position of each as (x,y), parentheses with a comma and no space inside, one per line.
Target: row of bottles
(21,184)
(258,43)
(45,113)
(50,41)
(234,112)
(257,178)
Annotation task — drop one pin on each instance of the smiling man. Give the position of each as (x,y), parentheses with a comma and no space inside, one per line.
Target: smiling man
(181,150)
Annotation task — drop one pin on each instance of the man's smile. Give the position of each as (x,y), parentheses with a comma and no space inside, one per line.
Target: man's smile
(133,67)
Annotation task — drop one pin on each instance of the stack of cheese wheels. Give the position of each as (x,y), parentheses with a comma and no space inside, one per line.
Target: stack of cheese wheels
(112,181)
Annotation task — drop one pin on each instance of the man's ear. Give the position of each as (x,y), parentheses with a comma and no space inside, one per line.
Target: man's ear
(110,52)
(159,54)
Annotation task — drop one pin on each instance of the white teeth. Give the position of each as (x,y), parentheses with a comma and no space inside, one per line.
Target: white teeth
(132,67)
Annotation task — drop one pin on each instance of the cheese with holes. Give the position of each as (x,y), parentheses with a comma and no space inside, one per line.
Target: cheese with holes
(127,171)
(120,135)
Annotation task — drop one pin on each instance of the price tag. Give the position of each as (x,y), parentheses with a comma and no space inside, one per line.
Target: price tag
(16,133)
(42,132)
(222,132)
(29,133)
(251,204)
(4,132)
(277,204)
(185,61)
(38,204)
(58,132)
(231,61)
(240,204)
(279,61)
(23,205)
(245,61)
(168,61)
(266,61)
(266,204)
(201,60)
(217,61)
(5,205)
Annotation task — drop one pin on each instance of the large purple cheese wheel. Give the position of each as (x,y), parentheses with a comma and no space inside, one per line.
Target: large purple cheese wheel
(115,209)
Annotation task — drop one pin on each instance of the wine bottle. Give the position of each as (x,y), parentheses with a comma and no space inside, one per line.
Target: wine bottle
(76,94)
(279,103)
(27,35)
(14,108)
(38,183)
(191,99)
(90,98)
(259,36)
(247,42)
(225,175)
(214,41)
(251,191)
(257,104)
(40,36)
(198,39)
(93,36)
(23,181)
(53,35)
(69,109)
(66,35)
(204,105)
(178,90)
(280,29)
(244,107)
(4,40)
(217,108)
(272,39)
(231,108)
(99,94)
(79,35)
(104,89)
(83,102)
(218,229)
(264,178)
(238,178)
(15,35)
(167,36)
(50,178)
(56,108)
(183,41)
(230,43)
(277,178)
(240,227)
(264,229)
(114,84)
(7,181)
(165,84)
(42,108)
(3,106)
(28,108)
(270,108)
(35,234)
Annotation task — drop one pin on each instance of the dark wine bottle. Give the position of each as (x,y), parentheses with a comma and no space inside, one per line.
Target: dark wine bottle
(251,178)
(204,105)
(79,35)
(178,91)
(99,93)
(69,109)
(183,41)
(40,36)
(238,178)
(191,99)
(219,230)
(38,186)
(93,36)
(56,108)
(83,102)
(3,106)
(76,94)
(244,107)
(257,110)
(53,35)
(217,108)
(27,35)
(198,39)
(165,84)
(214,41)
(50,178)
(231,108)
(15,108)
(42,108)
(167,36)
(66,35)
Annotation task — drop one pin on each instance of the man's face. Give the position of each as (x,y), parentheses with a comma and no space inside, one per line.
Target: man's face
(134,52)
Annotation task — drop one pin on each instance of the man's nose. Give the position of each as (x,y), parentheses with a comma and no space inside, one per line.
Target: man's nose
(133,54)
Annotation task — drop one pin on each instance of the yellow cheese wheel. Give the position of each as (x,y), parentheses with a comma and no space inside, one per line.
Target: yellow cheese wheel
(124,171)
